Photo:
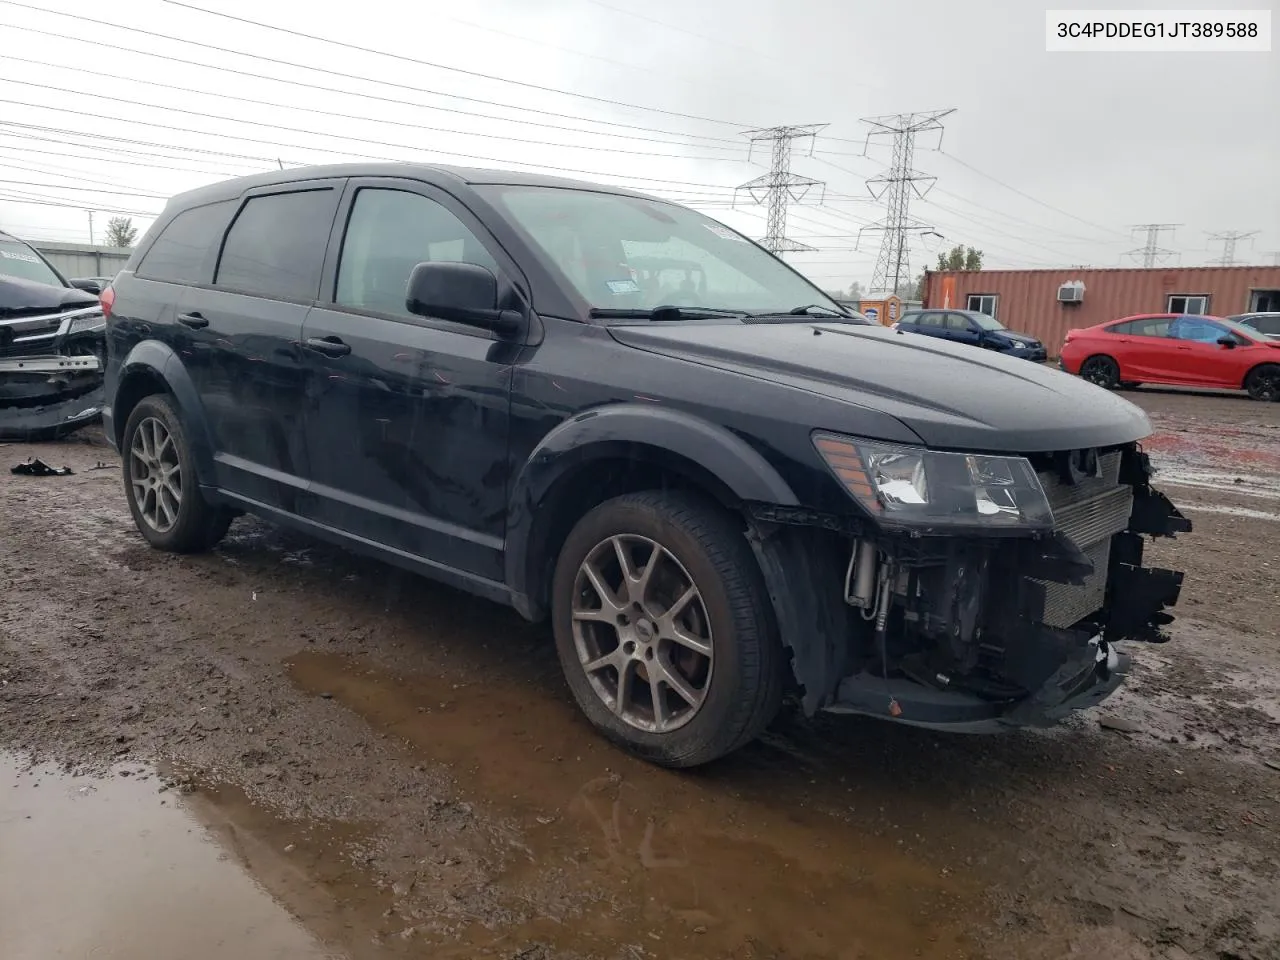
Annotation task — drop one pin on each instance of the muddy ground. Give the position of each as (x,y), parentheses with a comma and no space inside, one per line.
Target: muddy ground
(402,769)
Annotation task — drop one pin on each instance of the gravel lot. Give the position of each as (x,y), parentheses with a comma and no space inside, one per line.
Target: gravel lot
(402,768)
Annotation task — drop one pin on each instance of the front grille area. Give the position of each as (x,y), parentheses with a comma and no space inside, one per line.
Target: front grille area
(1090,513)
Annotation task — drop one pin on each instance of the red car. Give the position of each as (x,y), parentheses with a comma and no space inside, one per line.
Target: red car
(1182,349)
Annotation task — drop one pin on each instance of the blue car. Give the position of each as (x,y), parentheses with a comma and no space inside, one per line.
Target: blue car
(974,328)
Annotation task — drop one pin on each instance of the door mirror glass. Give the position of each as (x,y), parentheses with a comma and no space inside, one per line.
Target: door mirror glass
(1227,341)
(460,292)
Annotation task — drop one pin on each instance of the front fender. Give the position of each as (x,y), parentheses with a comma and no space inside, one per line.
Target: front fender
(153,361)
(604,433)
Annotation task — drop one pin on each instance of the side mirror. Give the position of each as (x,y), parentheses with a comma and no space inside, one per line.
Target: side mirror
(463,293)
(1227,341)
(87,285)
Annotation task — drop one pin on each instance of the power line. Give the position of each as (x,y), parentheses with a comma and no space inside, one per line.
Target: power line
(1023,193)
(17,197)
(304,132)
(112,160)
(899,182)
(990,226)
(1229,239)
(58,186)
(441,66)
(780,185)
(347,116)
(1151,253)
(347,76)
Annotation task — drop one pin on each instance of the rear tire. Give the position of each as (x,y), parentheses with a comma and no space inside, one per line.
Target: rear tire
(1263,382)
(618,651)
(160,482)
(1101,371)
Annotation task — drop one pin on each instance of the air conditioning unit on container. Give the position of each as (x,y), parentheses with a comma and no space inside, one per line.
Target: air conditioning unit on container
(1072,292)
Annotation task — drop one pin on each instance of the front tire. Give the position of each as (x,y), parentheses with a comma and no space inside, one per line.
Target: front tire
(160,482)
(663,630)
(1101,371)
(1263,383)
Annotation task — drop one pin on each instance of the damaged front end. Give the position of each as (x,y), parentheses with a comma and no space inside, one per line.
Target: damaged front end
(996,597)
(52,357)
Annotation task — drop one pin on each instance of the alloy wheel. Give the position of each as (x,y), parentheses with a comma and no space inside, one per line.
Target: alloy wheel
(1265,384)
(1100,371)
(156,474)
(642,633)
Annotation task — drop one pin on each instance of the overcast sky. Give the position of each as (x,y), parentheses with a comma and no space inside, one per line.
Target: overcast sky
(1048,160)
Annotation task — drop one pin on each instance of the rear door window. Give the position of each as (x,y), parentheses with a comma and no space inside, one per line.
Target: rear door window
(1151,327)
(1269,325)
(180,253)
(276,246)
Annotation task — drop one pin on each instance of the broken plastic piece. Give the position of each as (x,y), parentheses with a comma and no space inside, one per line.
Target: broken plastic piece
(35,467)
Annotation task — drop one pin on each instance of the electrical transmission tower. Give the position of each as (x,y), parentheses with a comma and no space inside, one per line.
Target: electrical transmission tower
(780,186)
(1229,240)
(1151,252)
(898,183)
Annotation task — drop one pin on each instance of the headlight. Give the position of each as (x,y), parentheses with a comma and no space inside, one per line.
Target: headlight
(93,320)
(1016,345)
(924,488)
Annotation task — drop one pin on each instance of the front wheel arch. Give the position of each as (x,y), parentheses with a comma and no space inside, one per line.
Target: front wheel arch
(597,474)
(1257,391)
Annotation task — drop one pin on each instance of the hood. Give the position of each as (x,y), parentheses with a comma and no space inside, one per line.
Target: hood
(1019,337)
(26,298)
(949,395)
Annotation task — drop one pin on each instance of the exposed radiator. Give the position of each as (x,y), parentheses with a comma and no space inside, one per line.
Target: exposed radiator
(1090,513)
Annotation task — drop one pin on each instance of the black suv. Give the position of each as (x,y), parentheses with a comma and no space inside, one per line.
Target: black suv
(974,328)
(716,484)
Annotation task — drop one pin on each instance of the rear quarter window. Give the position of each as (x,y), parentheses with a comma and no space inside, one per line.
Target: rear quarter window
(275,248)
(180,254)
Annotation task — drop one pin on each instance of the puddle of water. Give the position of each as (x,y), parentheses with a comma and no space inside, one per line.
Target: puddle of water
(622,855)
(113,869)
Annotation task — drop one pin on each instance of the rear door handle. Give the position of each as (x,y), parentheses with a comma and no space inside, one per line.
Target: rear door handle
(329,346)
(193,320)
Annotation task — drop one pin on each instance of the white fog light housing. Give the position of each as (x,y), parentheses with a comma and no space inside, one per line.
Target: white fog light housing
(921,488)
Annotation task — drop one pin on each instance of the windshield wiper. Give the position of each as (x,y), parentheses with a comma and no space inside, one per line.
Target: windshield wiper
(801,311)
(662,313)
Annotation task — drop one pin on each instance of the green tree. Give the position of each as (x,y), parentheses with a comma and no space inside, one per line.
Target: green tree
(960,258)
(855,291)
(121,232)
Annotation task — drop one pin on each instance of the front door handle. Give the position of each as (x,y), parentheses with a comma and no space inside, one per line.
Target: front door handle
(193,320)
(329,346)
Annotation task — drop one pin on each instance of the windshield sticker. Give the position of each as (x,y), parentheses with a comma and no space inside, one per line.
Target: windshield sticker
(24,257)
(620,287)
(724,233)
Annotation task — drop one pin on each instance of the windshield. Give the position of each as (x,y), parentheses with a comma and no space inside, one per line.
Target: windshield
(986,322)
(627,253)
(19,260)
(1236,327)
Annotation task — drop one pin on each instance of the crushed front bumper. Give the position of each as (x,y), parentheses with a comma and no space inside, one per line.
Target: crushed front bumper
(1082,681)
(48,397)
